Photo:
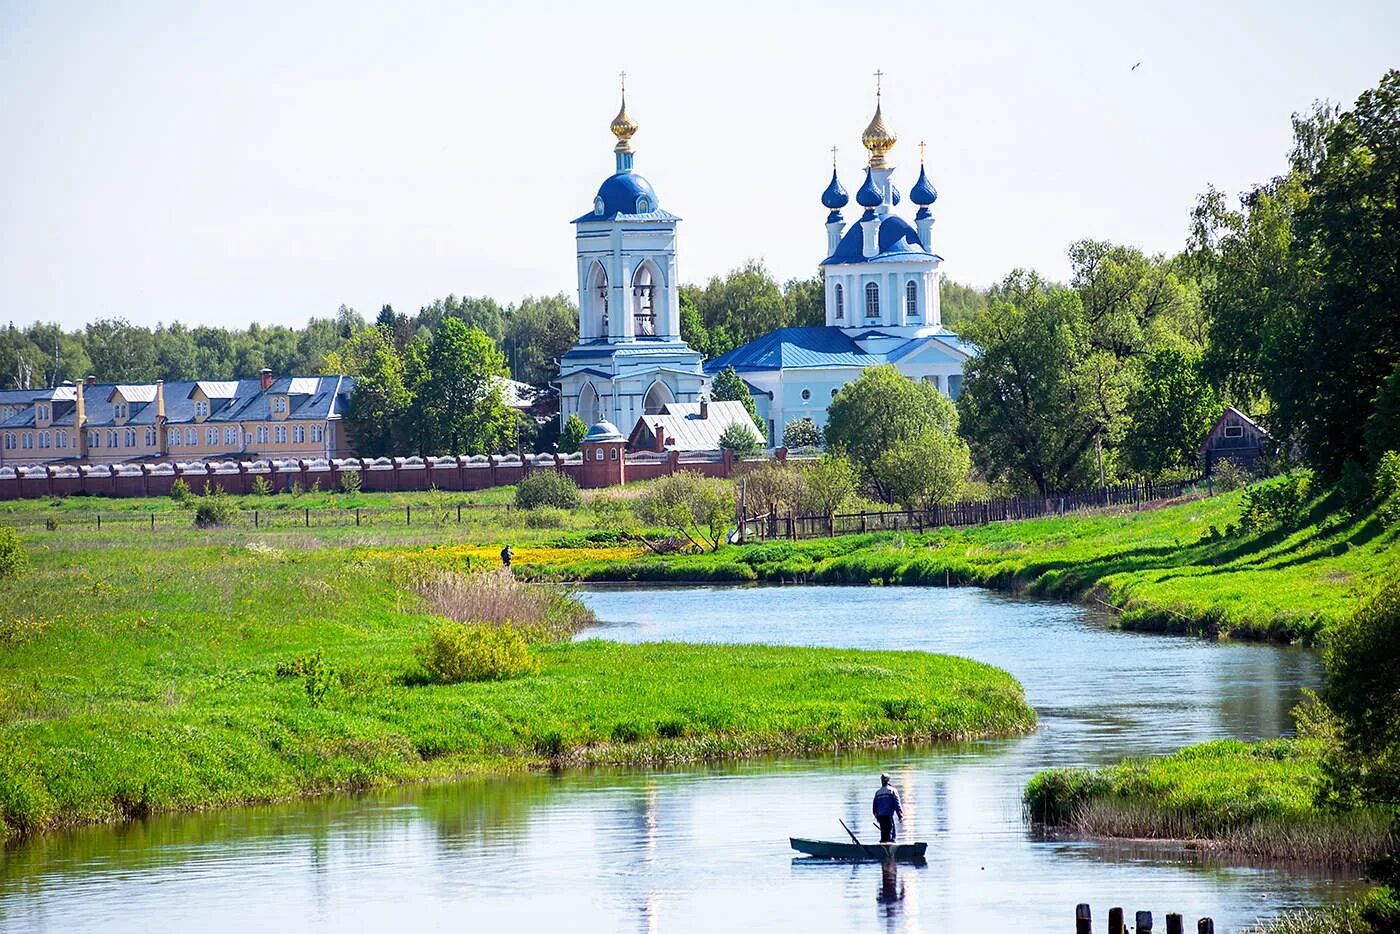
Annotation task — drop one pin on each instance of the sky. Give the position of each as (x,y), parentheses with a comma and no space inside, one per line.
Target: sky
(236,162)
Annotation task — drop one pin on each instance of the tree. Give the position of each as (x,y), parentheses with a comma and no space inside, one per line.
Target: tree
(802,433)
(696,507)
(121,352)
(462,392)
(805,301)
(571,438)
(1169,413)
(380,397)
(177,357)
(730,387)
(831,482)
(929,468)
(740,438)
(743,304)
(537,333)
(959,304)
(882,410)
(693,330)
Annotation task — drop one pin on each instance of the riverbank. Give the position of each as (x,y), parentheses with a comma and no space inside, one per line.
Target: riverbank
(1183,568)
(1255,799)
(143,680)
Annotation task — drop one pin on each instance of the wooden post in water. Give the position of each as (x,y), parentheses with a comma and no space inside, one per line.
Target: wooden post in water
(1144,922)
(1205,926)
(1083,920)
(1115,921)
(1174,924)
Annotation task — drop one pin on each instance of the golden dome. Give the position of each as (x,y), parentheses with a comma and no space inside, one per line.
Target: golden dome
(623,127)
(877,138)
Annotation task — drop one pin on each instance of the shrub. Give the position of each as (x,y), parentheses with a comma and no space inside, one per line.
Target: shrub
(350,481)
(802,433)
(317,676)
(688,504)
(12,556)
(180,490)
(454,653)
(740,439)
(1227,475)
(260,486)
(545,517)
(547,488)
(1387,488)
(51,524)
(214,509)
(1275,503)
(571,438)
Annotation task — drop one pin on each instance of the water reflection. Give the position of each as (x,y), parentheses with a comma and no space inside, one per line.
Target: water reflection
(695,848)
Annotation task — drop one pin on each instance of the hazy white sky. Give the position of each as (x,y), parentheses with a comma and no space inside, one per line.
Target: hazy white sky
(223,163)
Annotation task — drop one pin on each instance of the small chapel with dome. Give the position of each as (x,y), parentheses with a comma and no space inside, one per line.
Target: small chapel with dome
(881,295)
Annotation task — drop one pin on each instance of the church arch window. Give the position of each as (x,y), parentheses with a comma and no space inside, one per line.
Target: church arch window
(598,299)
(644,282)
(872,300)
(911,299)
(658,397)
(840,302)
(598,207)
(806,395)
(588,404)
(643,205)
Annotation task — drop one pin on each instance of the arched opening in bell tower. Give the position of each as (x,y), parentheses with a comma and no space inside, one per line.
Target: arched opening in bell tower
(598,301)
(644,282)
(658,396)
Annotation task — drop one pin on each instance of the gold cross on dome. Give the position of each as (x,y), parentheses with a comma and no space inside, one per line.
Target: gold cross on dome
(833,157)
(878,76)
(921,152)
(622,80)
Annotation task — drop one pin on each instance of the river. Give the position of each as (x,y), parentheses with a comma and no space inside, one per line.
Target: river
(704,848)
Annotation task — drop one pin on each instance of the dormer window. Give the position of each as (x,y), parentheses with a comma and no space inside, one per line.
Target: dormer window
(279,405)
(120,410)
(598,205)
(201,408)
(643,205)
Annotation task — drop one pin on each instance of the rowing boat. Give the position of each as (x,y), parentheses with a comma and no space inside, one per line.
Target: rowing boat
(830,849)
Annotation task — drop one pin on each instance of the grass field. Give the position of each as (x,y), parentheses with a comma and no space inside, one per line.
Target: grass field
(139,673)
(1251,798)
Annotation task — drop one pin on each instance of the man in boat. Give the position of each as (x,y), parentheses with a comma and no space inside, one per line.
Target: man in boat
(885,807)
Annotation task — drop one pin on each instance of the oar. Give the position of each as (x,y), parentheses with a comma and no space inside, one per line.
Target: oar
(858,843)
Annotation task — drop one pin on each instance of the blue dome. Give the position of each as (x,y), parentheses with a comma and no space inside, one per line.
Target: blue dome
(624,193)
(894,194)
(896,236)
(869,195)
(834,197)
(923,192)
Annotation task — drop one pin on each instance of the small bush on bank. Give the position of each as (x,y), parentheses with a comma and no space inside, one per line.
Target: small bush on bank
(350,481)
(545,517)
(1276,503)
(12,556)
(454,652)
(547,488)
(317,676)
(214,509)
(180,490)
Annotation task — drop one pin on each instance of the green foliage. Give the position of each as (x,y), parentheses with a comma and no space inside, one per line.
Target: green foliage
(693,506)
(180,490)
(1169,413)
(1227,475)
(538,332)
(381,396)
(1383,426)
(885,423)
(350,482)
(802,433)
(552,488)
(12,555)
(1278,502)
(960,304)
(831,482)
(215,508)
(740,439)
(261,486)
(729,387)
(316,675)
(1362,657)
(460,393)
(455,652)
(571,438)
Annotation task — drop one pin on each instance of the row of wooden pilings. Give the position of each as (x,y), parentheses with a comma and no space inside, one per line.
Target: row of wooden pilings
(1142,923)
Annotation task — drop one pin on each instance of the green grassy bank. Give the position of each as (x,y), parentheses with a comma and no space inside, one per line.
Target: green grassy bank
(1170,569)
(143,677)
(1249,798)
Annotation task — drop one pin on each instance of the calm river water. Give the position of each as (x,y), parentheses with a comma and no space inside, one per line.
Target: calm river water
(705,848)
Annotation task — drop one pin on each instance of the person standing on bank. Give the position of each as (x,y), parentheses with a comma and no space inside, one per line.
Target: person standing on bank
(506,555)
(885,807)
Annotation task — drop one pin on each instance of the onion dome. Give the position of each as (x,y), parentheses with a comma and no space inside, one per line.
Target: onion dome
(923,193)
(877,138)
(869,196)
(834,198)
(894,194)
(623,127)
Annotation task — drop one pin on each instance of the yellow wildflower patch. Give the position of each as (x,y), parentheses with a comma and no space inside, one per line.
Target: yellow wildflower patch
(525,554)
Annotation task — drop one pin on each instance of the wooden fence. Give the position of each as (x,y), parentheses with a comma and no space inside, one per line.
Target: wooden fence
(1142,922)
(792,527)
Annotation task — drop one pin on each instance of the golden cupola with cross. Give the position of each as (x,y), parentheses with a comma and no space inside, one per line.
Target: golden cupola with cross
(878,138)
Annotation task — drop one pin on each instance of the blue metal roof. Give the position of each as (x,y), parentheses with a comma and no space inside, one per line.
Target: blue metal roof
(923,192)
(835,196)
(790,348)
(869,196)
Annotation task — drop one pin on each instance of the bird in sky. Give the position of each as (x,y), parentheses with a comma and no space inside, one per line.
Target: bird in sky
(1135,67)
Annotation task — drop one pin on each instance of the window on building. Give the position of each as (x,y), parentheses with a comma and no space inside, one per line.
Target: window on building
(872,300)
(131,437)
(94,439)
(911,299)
(318,433)
(173,437)
(201,408)
(42,412)
(111,437)
(119,410)
(279,405)
(806,395)
(834,391)
(211,436)
(191,436)
(262,434)
(44,439)
(150,437)
(26,441)
(1234,431)
(9,442)
(299,434)
(280,433)
(231,435)
(62,440)
(954,387)
(598,455)
(840,302)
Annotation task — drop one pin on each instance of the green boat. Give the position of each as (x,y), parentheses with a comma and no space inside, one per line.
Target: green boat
(873,852)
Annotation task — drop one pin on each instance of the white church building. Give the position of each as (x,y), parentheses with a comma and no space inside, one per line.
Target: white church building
(882,303)
(629,359)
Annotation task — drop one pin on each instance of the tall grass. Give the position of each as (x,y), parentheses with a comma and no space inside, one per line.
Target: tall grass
(497,598)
